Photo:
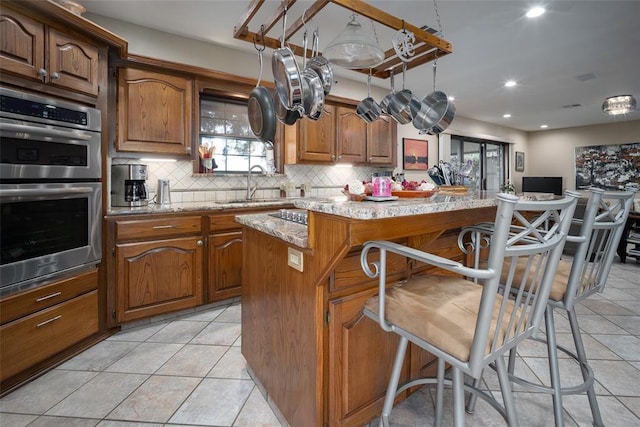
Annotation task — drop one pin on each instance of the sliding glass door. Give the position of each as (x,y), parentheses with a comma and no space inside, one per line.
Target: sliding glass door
(488,157)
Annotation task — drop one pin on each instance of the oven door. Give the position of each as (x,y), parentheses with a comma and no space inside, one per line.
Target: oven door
(47,230)
(40,151)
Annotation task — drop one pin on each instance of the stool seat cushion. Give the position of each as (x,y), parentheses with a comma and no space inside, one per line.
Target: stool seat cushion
(441,310)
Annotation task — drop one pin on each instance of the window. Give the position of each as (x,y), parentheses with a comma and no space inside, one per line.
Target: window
(227,143)
(489,159)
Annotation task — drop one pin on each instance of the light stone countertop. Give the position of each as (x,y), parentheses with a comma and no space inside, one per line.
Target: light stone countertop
(153,208)
(289,231)
(368,210)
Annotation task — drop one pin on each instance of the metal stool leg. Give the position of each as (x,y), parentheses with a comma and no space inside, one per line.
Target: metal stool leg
(582,359)
(440,393)
(507,395)
(393,382)
(458,397)
(554,370)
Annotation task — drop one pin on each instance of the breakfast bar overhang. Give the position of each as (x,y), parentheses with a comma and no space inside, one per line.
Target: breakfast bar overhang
(318,359)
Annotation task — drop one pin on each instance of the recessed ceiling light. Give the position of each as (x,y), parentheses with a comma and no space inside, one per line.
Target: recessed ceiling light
(510,83)
(534,12)
(452,98)
(544,126)
(506,116)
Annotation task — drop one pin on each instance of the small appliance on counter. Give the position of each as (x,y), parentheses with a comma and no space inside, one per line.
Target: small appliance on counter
(163,192)
(128,185)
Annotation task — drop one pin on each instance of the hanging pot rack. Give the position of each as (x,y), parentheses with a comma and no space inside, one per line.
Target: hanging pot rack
(428,46)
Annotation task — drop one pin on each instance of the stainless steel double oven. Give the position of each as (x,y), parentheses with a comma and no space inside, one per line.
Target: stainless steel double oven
(50,189)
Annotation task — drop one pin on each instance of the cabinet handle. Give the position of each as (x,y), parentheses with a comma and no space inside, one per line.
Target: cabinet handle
(158,227)
(55,76)
(199,243)
(53,319)
(55,294)
(42,72)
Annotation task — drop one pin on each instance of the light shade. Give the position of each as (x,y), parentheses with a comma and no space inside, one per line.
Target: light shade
(354,48)
(620,104)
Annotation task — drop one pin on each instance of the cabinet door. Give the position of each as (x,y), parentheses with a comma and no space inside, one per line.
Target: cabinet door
(73,64)
(21,44)
(157,277)
(360,362)
(317,139)
(381,138)
(351,136)
(154,112)
(225,265)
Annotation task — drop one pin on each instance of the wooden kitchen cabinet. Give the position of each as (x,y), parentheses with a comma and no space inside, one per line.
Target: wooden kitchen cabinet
(315,140)
(39,323)
(351,133)
(224,258)
(32,49)
(161,270)
(341,136)
(154,112)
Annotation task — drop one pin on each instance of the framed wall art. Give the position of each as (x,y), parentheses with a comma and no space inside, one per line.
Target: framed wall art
(610,167)
(519,161)
(415,154)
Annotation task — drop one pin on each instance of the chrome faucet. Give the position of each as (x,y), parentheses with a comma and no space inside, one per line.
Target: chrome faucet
(251,191)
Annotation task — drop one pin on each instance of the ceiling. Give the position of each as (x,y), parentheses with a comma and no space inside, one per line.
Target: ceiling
(565,62)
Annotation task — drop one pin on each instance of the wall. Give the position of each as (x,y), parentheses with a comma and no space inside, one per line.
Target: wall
(552,152)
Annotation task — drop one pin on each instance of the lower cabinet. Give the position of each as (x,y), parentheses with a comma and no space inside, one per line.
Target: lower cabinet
(357,388)
(225,265)
(39,323)
(167,263)
(162,270)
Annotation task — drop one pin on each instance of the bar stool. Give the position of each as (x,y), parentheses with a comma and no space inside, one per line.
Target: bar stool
(466,324)
(600,227)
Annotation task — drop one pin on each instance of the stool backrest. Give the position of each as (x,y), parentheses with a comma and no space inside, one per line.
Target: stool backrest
(601,229)
(513,307)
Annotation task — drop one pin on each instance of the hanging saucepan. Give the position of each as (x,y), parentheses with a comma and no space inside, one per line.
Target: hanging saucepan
(284,115)
(313,92)
(436,110)
(403,106)
(286,73)
(384,104)
(320,65)
(368,109)
(262,115)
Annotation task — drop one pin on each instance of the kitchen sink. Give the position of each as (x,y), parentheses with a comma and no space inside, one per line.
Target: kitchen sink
(253,201)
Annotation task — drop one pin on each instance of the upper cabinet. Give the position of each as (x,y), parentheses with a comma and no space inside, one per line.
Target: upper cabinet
(341,136)
(31,49)
(154,112)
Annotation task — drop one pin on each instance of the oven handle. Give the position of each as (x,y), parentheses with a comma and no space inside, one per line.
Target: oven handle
(45,131)
(22,193)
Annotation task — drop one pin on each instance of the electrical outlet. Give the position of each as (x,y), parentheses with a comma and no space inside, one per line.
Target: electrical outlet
(295,259)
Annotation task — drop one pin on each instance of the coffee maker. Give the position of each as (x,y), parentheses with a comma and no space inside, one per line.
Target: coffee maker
(128,185)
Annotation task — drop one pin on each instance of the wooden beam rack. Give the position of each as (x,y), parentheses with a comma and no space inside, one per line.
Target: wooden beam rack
(428,46)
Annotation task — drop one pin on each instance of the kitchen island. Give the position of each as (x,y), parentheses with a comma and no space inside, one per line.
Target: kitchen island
(318,359)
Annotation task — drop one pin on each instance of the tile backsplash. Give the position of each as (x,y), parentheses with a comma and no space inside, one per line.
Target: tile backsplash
(324,181)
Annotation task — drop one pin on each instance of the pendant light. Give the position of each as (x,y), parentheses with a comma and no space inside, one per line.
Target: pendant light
(620,104)
(354,48)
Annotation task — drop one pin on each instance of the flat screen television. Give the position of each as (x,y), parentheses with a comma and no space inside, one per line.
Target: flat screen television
(542,184)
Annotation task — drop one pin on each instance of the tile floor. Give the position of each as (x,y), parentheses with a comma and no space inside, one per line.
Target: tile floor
(188,371)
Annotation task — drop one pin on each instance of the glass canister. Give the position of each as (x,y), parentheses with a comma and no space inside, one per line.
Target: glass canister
(381,183)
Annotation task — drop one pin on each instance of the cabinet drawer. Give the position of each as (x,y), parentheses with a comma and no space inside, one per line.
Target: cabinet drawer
(34,338)
(157,228)
(349,271)
(223,222)
(22,304)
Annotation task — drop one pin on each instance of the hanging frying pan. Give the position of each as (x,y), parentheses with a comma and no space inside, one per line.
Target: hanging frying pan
(262,114)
